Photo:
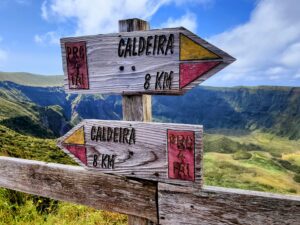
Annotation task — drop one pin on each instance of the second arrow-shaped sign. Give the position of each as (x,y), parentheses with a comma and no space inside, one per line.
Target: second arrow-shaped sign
(170,153)
(166,61)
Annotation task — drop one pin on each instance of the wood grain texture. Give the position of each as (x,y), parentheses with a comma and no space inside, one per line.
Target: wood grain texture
(136,107)
(146,159)
(135,24)
(77,185)
(134,220)
(105,75)
(214,205)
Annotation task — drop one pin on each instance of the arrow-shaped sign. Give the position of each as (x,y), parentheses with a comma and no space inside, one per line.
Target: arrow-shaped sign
(166,61)
(169,153)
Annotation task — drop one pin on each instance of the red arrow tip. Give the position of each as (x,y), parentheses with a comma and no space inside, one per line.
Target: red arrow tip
(78,151)
(191,71)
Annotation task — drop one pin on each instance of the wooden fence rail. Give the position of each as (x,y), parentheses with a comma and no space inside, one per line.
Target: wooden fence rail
(78,185)
(216,205)
(169,204)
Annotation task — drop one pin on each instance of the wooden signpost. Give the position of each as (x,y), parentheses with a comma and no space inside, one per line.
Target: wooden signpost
(170,153)
(133,62)
(166,61)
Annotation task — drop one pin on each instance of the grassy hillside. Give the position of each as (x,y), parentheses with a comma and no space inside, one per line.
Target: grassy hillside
(21,110)
(257,161)
(34,80)
(51,108)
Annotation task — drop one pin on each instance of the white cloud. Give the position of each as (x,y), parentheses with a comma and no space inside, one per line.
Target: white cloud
(291,56)
(189,21)
(50,37)
(99,16)
(44,10)
(267,45)
(276,70)
(96,16)
(297,76)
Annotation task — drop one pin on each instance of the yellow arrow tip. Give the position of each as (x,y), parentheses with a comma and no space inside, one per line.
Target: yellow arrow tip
(76,138)
(191,50)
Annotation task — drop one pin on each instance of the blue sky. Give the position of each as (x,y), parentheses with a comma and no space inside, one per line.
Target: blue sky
(264,35)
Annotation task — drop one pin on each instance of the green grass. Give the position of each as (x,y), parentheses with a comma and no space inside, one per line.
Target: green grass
(29,79)
(269,143)
(21,209)
(256,161)
(258,173)
(20,146)
(239,155)
(12,109)
(293,158)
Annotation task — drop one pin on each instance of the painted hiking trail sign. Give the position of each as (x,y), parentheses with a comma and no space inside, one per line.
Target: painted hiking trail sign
(165,152)
(166,61)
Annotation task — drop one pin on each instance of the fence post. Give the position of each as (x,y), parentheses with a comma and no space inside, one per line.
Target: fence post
(136,107)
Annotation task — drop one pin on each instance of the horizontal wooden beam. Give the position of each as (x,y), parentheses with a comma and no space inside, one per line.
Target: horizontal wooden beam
(76,184)
(216,205)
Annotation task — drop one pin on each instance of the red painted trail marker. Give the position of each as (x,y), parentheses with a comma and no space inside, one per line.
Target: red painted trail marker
(170,153)
(181,151)
(77,65)
(190,72)
(166,61)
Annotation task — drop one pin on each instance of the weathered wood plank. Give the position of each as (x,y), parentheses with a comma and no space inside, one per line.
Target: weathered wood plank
(167,65)
(77,185)
(134,220)
(162,152)
(137,108)
(214,205)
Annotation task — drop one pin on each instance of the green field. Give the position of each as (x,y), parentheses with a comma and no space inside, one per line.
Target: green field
(33,80)
(256,161)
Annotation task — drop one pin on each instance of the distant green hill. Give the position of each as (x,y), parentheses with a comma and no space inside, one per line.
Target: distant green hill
(49,111)
(34,80)
(21,112)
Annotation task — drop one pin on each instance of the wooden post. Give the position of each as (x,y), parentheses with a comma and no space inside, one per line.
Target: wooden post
(136,107)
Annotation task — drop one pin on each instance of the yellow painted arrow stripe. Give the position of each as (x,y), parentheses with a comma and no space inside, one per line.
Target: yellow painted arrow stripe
(76,138)
(191,50)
